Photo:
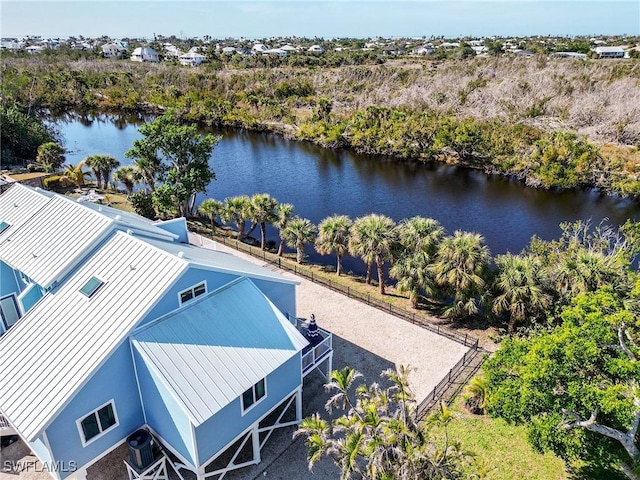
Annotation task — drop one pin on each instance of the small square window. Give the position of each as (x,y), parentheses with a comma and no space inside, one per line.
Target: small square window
(199,290)
(247,398)
(91,286)
(106,416)
(186,296)
(260,390)
(3,226)
(90,427)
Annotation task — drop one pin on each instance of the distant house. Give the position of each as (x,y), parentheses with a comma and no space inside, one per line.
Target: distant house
(289,48)
(114,50)
(229,50)
(576,55)
(522,53)
(144,54)
(171,51)
(115,330)
(423,50)
(33,49)
(316,49)
(191,59)
(609,52)
(259,48)
(275,51)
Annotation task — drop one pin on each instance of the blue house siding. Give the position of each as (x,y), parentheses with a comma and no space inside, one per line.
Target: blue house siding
(40,449)
(163,413)
(283,295)
(30,297)
(114,380)
(8,282)
(177,226)
(223,427)
(191,277)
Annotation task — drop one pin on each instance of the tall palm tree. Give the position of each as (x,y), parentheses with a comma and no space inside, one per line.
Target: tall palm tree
(109,164)
(211,208)
(372,237)
(460,270)
(263,211)
(75,175)
(520,289)
(129,176)
(102,166)
(413,275)
(94,162)
(418,242)
(333,236)
(147,162)
(299,232)
(284,213)
(237,210)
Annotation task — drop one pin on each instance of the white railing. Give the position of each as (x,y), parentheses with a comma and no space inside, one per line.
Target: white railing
(317,353)
(5,427)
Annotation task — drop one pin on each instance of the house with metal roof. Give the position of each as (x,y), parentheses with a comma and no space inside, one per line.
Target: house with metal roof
(117,331)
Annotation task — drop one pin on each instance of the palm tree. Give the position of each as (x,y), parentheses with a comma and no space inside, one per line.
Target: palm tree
(237,210)
(299,231)
(211,208)
(519,287)
(476,395)
(75,175)
(284,213)
(418,242)
(333,236)
(51,155)
(263,211)
(372,237)
(109,164)
(102,166)
(147,162)
(377,435)
(460,269)
(129,176)
(94,162)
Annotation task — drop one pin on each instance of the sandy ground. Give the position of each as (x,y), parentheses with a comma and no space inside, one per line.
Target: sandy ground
(364,337)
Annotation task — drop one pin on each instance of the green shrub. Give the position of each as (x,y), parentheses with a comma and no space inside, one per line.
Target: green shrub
(54,182)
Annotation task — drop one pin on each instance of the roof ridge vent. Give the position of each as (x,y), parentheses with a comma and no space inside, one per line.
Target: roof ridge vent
(118,218)
(180,254)
(129,231)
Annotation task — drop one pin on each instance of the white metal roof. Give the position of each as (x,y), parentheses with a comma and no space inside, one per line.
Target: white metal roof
(18,204)
(213,350)
(49,244)
(220,261)
(50,233)
(55,348)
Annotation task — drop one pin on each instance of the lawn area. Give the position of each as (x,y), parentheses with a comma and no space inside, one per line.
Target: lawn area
(502,448)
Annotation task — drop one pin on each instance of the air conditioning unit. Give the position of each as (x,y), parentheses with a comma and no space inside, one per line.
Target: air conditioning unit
(140,449)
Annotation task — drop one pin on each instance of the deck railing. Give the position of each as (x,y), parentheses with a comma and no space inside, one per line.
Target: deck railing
(4,423)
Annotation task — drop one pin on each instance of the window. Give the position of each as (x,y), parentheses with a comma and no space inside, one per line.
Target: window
(91,286)
(97,423)
(3,226)
(193,292)
(9,311)
(253,395)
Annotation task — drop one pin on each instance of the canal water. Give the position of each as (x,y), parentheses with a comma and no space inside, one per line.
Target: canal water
(320,182)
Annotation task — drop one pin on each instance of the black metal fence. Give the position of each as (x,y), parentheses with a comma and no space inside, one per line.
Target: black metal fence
(466,340)
(432,398)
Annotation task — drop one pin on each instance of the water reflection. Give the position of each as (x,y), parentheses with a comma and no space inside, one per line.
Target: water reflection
(320,182)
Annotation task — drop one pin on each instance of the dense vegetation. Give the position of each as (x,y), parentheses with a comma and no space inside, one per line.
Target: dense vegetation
(522,117)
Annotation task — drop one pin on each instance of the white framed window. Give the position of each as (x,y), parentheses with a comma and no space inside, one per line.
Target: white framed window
(9,311)
(254,395)
(193,292)
(95,424)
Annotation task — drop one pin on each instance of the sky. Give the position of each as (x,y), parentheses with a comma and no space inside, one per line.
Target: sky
(325,19)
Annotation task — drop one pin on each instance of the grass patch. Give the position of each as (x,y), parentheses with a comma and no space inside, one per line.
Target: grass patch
(502,449)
